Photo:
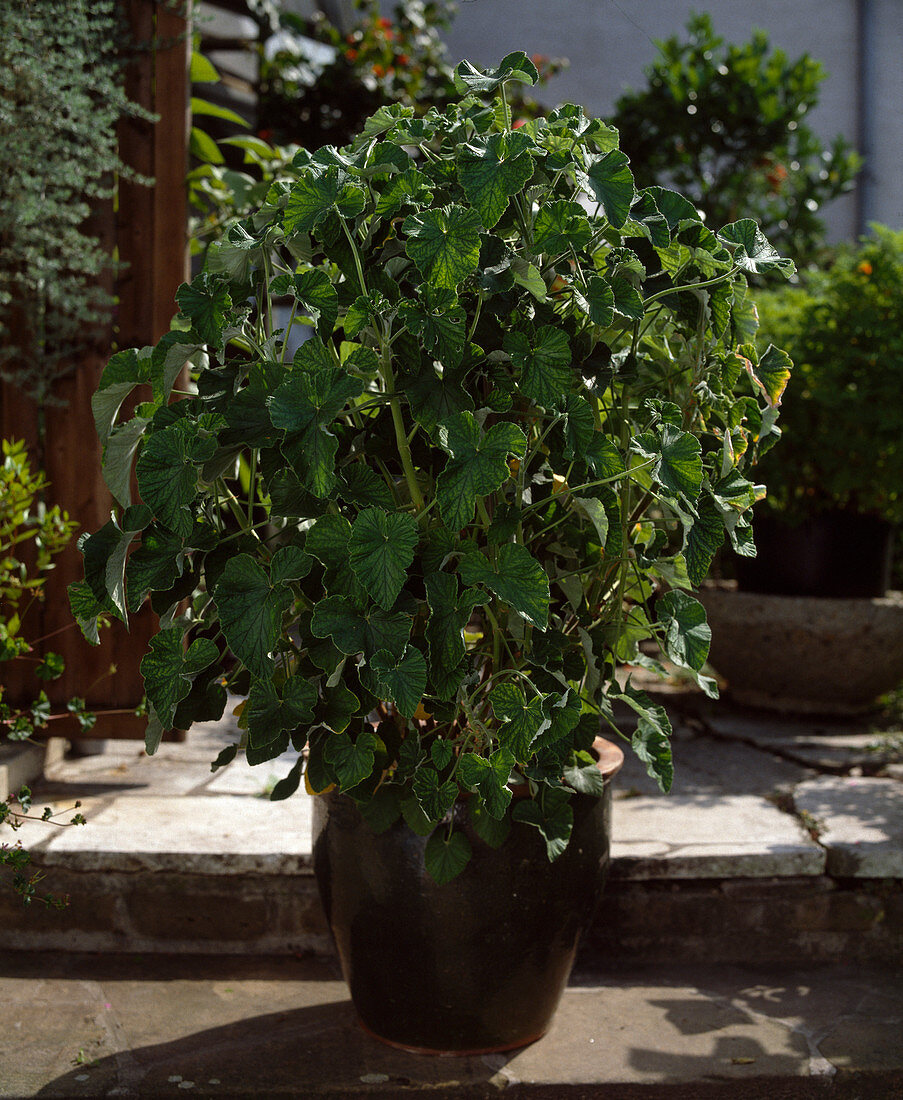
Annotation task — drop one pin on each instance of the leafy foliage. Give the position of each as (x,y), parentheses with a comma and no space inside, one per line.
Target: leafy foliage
(425,541)
(726,125)
(60,100)
(843,330)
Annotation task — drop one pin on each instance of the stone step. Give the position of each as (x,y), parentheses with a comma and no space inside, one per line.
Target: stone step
(759,853)
(108,1025)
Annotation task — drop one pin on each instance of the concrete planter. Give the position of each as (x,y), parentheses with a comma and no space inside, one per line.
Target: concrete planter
(805,654)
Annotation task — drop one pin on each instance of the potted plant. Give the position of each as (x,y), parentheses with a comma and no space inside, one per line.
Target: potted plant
(820,579)
(424,546)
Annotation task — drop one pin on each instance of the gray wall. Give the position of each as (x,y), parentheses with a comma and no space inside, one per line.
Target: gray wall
(608,43)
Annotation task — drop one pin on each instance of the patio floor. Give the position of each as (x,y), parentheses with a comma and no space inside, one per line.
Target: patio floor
(750,942)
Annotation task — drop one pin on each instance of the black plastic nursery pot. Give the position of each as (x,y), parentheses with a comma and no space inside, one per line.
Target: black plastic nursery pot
(478,964)
(835,554)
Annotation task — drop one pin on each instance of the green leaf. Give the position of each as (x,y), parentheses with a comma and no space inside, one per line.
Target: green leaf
(771,374)
(446,856)
(584,776)
(492,171)
(352,761)
(514,66)
(598,303)
(119,456)
(206,302)
(202,70)
(703,540)
(478,464)
(290,563)
(435,798)
(327,539)
(356,631)
(214,110)
(86,609)
(553,817)
(316,296)
(250,611)
(408,188)
(437,320)
(358,484)
(168,670)
(444,243)
(449,614)
(271,711)
(751,250)
(319,192)
(492,831)
(489,777)
(627,300)
(651,741)
(522,722)
(543,362)
(559,226)
(610,182)
(687,634)
(517,578)
(380,551)
(167,471)
(287,786)
(677,459)
(202,146)
(404,680)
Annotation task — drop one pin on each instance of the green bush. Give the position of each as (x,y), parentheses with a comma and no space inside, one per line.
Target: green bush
(725,125)
(843,417)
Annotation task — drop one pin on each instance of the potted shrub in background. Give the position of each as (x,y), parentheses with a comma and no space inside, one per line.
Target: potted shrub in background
(426,544)
(834,632)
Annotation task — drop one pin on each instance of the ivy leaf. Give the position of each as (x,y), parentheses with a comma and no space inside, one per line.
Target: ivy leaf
(751,250)
(169,668)
(356,631)
(543,362)
(492,171)
(381,549)
(610,182)
(552,816)
(478,464)
(444,244)
(437,320)
(522,722)
(445,857)
(316,296)
(250,612)
(514,66)
(517,579)
(352,761)
(319,192)
(687,634)
(404,680)
(207,303)
(559,226)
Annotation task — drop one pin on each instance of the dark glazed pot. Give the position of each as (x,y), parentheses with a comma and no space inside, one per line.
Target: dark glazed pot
(478,964)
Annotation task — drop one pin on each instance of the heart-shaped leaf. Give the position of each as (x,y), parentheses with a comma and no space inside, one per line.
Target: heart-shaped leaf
(478,464)
(516,578)
(381,548)
(444,244)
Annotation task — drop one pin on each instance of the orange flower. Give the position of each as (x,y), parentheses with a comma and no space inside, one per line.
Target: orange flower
(865,267)
(351,55)
(379,70)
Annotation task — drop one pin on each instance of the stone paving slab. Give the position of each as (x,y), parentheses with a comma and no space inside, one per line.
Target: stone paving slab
(860,823)
(94,1026)
(706,836)
(193,833)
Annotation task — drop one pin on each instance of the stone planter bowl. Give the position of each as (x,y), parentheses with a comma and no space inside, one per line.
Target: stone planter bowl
(805,654)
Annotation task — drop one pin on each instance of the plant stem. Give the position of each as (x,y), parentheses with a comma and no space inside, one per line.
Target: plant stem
(401,439)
